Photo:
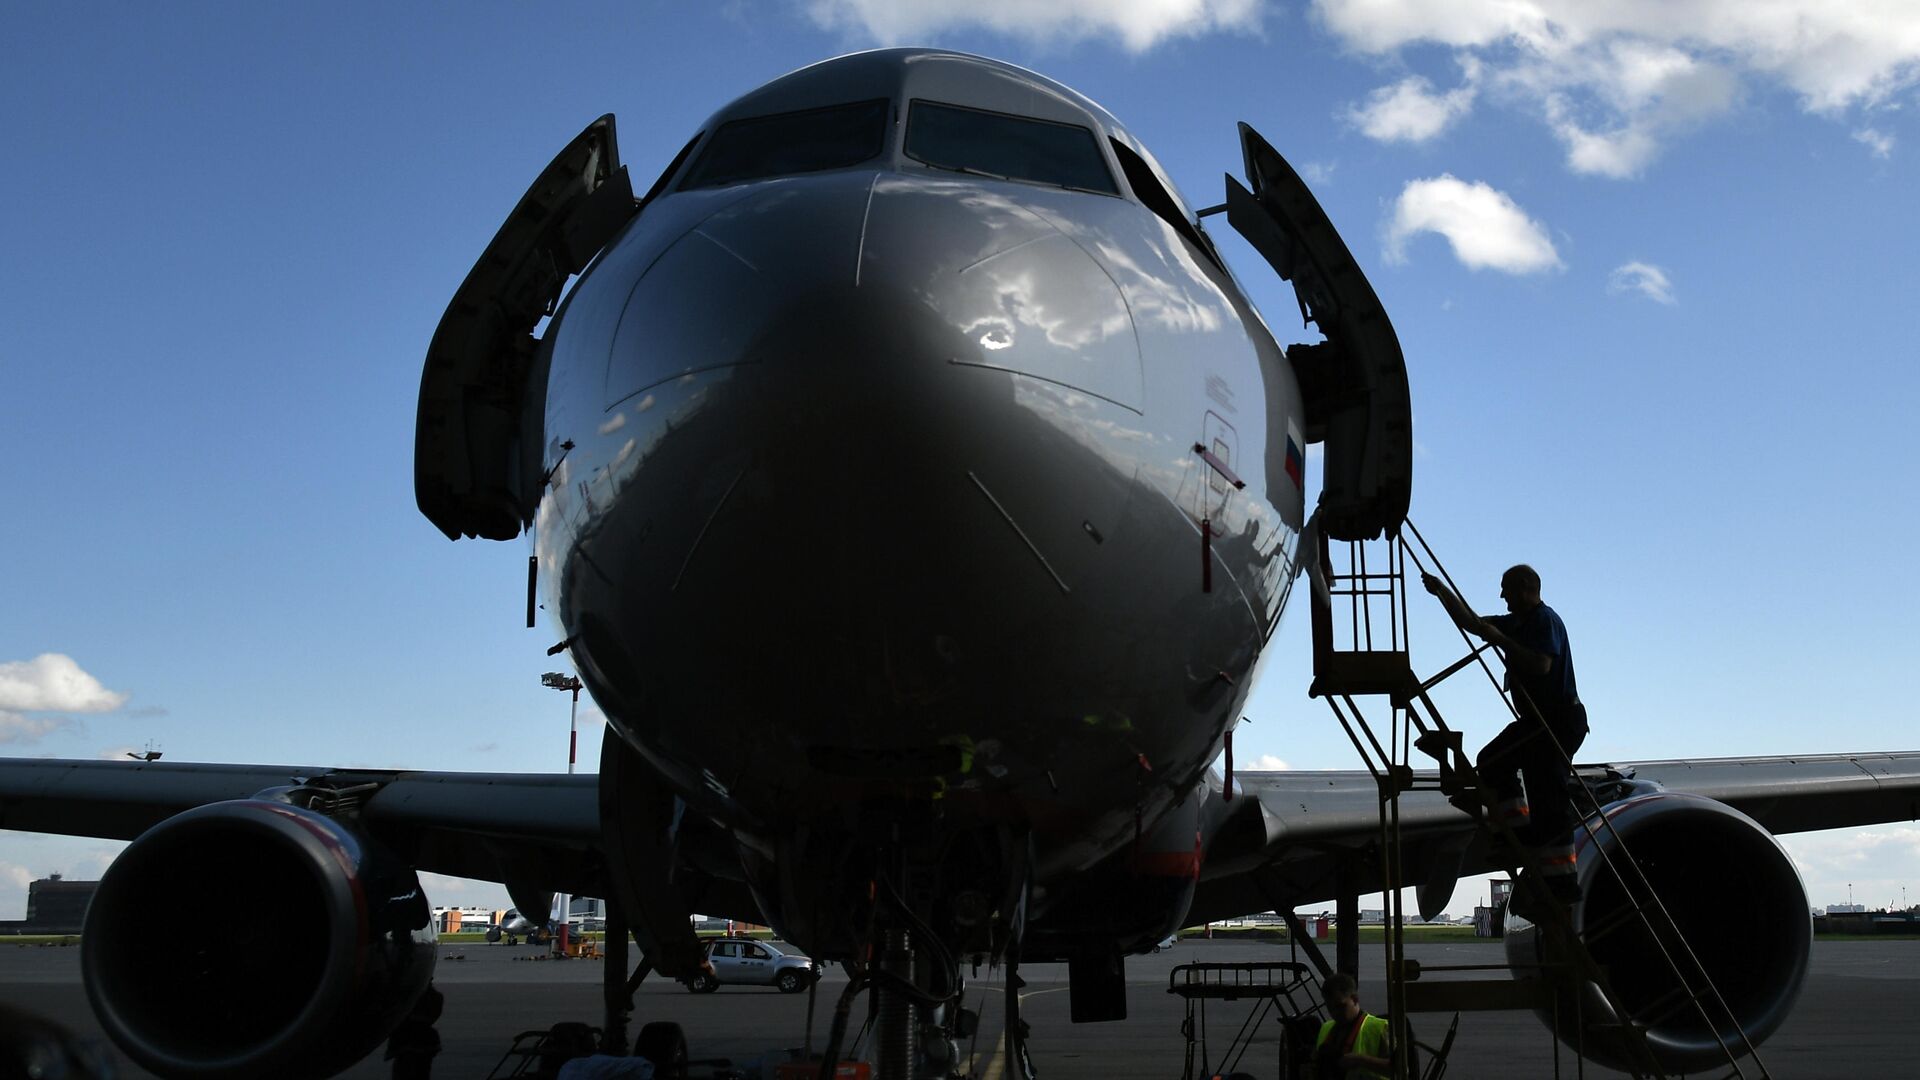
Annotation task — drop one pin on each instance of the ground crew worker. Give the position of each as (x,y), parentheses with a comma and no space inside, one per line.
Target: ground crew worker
(1540,676)
(1352,1045)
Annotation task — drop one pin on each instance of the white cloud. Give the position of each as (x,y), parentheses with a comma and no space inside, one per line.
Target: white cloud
(1613,81)
(49,682)
(14,880)
(1611,107)
(1318,173)
(53,682)
(445,891)
(1409,111)
(39,856)
(1137,24)
(1843,850)
(15,728)
(1873,863)
(1621,153)
(1644,278)
(1485,227)
(1267,763)
(1875,140)
(90,865)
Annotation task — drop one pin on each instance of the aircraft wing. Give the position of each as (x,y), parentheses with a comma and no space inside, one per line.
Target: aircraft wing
(506,827)
(1286,838)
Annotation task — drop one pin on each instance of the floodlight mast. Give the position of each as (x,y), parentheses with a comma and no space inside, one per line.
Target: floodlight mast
(554,680)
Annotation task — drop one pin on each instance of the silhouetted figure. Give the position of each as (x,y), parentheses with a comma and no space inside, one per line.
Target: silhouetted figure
(1540,676)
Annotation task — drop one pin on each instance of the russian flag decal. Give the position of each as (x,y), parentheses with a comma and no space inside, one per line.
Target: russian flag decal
(1295,463)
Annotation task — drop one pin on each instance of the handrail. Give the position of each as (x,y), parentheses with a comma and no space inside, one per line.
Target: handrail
(1392,775)
(1587,825)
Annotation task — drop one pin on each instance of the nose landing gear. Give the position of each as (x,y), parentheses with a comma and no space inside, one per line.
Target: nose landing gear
(1019,1062)
(916,990)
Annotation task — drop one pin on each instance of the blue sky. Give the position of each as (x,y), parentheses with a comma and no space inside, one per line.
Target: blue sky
(1653,271)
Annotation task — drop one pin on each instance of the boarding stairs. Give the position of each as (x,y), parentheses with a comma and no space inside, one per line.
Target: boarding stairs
(1360,647)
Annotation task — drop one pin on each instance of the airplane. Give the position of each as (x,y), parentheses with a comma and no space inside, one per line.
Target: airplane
(916,491)
(514,927)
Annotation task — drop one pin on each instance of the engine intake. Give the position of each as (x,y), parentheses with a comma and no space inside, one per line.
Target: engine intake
(254,938)
(1738,904)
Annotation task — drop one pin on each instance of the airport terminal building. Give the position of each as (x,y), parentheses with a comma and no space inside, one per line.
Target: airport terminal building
(54,906)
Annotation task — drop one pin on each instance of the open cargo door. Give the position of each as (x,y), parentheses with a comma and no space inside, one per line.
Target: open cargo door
(477,441)
(1354,383)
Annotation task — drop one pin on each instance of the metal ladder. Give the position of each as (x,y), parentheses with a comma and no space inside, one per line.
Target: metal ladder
(1374,661)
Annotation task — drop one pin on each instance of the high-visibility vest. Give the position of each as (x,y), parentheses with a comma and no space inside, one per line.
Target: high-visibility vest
(1368,1037)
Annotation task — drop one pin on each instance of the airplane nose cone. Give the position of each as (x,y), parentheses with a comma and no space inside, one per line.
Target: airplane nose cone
(909,412)
(914,354)
(927,355)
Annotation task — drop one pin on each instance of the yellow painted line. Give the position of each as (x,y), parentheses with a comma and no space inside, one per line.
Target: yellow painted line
(996,1062)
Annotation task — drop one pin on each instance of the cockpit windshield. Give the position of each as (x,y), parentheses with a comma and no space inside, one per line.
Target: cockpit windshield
(1009,147)
(796,142)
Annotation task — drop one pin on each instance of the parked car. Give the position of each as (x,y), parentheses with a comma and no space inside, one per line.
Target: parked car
(747,961)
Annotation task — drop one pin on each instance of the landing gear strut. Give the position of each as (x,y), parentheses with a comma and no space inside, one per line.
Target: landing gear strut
(1019,1062)
(617,996)
(916,988)
(900,1020)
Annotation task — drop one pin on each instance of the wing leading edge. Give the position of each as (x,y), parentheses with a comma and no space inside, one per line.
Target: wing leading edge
(1287,837)
(492,826)
(1283,842)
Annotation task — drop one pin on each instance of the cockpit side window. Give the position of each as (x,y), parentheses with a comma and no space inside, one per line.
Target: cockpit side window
(1008,147)
(673,166)
(786,143)
(1155,197)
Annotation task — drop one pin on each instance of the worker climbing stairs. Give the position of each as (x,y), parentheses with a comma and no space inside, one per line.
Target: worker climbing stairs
(1360,644)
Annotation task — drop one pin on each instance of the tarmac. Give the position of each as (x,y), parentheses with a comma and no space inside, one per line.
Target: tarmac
(1852,1019)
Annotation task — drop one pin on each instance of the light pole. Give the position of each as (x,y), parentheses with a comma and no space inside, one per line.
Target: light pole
(554,680)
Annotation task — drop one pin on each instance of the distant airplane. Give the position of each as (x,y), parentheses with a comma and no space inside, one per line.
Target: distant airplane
(515,927)
(915,490)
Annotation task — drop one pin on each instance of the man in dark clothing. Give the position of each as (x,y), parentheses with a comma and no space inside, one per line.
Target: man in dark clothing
(1551,728)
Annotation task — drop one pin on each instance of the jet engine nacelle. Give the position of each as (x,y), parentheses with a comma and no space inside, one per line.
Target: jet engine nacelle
(255,938)
(1740,909)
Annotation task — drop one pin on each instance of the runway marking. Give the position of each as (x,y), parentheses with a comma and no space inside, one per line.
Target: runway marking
(998,1062)
(1025,996)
